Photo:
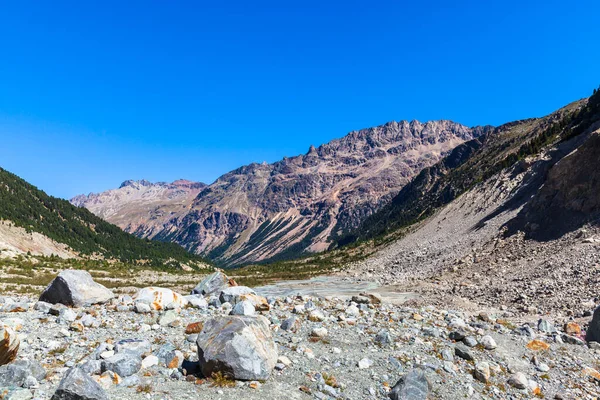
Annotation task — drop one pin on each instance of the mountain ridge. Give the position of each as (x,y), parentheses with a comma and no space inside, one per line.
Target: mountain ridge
(295,205)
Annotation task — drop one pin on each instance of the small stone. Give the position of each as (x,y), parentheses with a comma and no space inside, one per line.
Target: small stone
(194,327)
(168,317)
(352,311)
(365,363)
(149,361)
(284,360)
(108,379)
(572,328)
(463,352)
(319,332)
(412,386)
(316,316)
(244,307)
(470,341)
(488,342)
(518,380)
(142,308)
(546,326)
(291,324)
(482,372)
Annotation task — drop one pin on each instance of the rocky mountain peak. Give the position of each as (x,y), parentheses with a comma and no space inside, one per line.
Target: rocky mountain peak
(294,205)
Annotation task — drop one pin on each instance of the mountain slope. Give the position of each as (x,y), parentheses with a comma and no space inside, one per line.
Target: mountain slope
(23,205)
(521,227)
(141,202)
(299,204)
(474,162)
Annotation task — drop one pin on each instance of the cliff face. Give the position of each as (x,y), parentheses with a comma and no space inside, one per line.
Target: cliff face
(296,205)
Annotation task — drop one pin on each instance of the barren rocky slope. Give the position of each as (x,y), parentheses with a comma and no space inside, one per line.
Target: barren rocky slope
(265,211)
(526,236)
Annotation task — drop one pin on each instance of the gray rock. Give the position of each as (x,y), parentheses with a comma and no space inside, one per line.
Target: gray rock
(92,367)
(213,283)
(463,352)
(77,385)
(412,386)
(168,317)
(572,340)
(213,301)
(75,288)
(42,306)
(196,301)
(124,364)
(169,356)
(66,315)
(142,307)
(470,341)
(137,347)
(593,331)
(17,372)
(546,326)
(518,380)
(239,346)
(243,308)
(457,335)
(232,294)
(12,393)
(383,338)
(291,324)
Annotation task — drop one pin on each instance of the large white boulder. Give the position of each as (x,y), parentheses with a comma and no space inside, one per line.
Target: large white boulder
(240,347)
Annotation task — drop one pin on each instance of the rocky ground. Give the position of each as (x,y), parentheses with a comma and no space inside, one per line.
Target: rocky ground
(461,256)
(305,347)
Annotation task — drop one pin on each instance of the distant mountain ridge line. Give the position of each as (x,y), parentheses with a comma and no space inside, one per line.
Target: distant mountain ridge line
(295,205)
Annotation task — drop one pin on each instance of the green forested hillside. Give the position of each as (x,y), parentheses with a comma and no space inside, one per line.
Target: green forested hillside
(28,207)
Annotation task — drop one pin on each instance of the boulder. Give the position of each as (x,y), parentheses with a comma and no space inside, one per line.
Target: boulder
(412,386)
(9,344)
(17,372)
(75,288)
(213,283)
(137,347)
(196,301)
(240,347)
(233,294)
(124,364)
(159,298)
(77,385)
(593,331)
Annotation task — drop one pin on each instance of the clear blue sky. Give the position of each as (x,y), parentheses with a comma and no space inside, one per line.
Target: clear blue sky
(96,92)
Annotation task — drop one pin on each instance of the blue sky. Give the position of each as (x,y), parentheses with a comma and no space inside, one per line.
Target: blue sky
(96,92)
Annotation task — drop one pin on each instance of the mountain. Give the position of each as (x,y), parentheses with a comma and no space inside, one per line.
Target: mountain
(511,217)
(34,221)
(297,205)
(515,145)
(137,203)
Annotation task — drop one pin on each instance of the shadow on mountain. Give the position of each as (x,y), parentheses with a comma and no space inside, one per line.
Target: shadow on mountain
(564,196)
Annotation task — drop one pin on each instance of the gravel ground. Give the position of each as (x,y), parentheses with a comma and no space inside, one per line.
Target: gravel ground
(366,348)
